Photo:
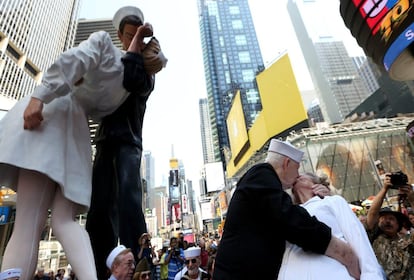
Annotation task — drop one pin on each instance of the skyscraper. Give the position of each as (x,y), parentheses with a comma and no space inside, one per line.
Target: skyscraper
(32,35)
(337,82)
(206,135)
(232,58)
(87,26)
(148,174)
(365,66)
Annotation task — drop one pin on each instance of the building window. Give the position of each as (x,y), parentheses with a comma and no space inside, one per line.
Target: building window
(234,10)
(13,52)
(221,39)
(224,58)
(244,57)
(237,24)
(248,75)
(240,40)
(227,74)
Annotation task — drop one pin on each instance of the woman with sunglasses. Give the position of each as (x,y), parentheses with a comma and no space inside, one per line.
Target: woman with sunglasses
(143,271)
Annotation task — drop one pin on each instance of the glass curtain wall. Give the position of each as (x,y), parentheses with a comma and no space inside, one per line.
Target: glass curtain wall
(350,161)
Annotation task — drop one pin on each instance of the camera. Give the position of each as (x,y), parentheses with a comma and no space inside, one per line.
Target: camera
(398,179)
(176,251)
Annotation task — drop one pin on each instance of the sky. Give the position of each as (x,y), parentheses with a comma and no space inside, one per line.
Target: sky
(171,123)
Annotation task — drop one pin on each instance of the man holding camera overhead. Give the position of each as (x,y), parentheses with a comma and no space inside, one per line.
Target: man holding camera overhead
(175,258)
(394,252)
(146,250)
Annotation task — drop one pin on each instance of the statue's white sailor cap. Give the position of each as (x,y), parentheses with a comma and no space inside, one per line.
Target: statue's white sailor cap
(10,273)
(287,149)
(114,253)
(124,12)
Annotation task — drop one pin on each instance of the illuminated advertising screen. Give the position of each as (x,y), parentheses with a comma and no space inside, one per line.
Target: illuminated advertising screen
(173,178)
(174,194)
(4,214)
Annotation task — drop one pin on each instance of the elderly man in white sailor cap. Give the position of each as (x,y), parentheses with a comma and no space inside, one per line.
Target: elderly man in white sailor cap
(192,268)
(249,248)
(11,274)
(121,263)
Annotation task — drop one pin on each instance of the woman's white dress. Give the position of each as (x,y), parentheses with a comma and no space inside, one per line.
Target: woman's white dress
(335,212)
(61,146)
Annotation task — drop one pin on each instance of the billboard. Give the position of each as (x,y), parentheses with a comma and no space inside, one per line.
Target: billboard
(174,163)
(4,214)
(174,194)
(222,199)
(214,176)
(207,210)
(282,111)
(173,178)
(184,203)
(236,127)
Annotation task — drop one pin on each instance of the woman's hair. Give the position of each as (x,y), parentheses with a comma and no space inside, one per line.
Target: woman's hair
(321,179)
(133,20)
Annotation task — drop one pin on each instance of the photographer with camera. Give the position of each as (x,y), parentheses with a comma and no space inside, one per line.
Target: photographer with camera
(394,252)
(175,258)
(146,250)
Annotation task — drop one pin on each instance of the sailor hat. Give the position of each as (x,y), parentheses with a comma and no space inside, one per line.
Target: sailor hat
(192,252)
(124,12)
(114,253)
(286,149)
(10,273)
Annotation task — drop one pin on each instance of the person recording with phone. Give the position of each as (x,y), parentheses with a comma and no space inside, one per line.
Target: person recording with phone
(395,253)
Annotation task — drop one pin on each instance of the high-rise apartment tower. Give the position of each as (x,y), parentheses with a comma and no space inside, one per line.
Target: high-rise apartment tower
(336,79)
(232,58)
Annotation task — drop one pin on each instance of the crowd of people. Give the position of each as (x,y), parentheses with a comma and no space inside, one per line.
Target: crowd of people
(176,260)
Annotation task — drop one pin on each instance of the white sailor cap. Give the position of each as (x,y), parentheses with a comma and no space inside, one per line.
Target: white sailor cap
(114,253)
(124,12)
(10,273)
(192,252)
(286,149)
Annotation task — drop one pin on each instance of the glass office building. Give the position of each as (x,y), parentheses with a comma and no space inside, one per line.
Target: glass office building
(32,35)
(232,58)
(350,154)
